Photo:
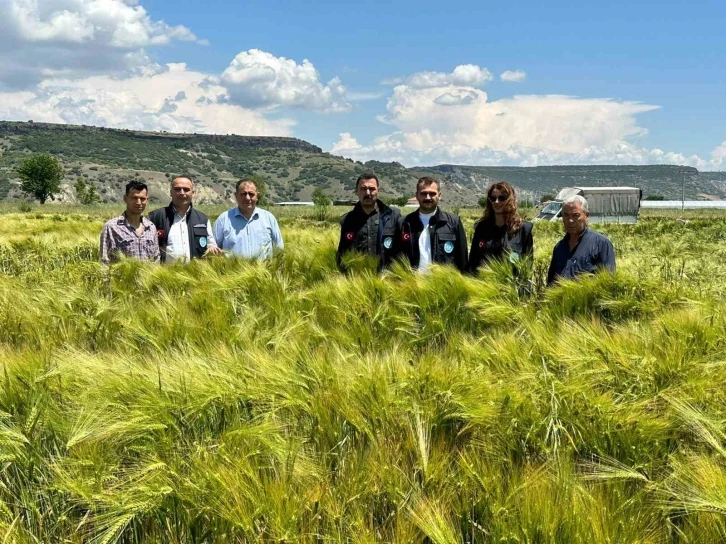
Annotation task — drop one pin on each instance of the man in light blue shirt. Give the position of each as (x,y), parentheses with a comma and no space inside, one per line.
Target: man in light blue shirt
(247,231)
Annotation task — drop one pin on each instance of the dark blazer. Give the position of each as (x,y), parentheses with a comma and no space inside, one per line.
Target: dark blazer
(493,242)
(377,234)
(448,239)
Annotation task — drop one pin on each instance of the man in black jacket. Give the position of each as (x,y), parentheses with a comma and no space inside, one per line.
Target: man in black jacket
(431,235)
(184,232)
(370,227)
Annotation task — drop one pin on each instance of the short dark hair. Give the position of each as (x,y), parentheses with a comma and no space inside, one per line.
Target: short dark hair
(135,185)
(240,182)
(364,177)
(426,181)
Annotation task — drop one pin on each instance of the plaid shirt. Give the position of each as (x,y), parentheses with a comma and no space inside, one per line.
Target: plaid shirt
(119,237)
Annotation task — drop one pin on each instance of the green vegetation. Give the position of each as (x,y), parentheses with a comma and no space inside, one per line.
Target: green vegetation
(40,177)
(232,401)
(85,193)
(107,159)
(322,203)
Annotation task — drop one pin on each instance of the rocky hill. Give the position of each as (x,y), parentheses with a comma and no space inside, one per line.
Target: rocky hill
(291,168)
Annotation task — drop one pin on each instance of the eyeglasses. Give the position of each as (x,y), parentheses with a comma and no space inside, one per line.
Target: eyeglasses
(500,198)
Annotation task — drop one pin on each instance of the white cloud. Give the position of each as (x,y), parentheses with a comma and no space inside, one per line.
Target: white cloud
(513,76)
(46,38)
(457,124)
(458,98)
(464,75)
(171,100)
(718,155)
(258,79)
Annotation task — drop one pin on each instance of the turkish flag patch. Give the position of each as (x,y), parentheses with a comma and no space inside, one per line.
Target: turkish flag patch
(349,236)
(482,244)
(160,233)
(406,236)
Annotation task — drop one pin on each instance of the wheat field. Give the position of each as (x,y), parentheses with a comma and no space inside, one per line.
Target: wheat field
(233,401)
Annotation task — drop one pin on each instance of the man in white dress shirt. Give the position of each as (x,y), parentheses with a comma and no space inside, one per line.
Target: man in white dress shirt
(431,235)
(184,232)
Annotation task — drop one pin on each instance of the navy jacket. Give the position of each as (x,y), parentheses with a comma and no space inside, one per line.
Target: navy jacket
(593,251)
(377,234)
(493,242)
(448,239)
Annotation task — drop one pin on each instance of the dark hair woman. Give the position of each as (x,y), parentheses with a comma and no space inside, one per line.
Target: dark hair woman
(501,233)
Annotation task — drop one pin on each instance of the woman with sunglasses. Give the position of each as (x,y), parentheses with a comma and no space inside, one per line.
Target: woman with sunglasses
(501,232)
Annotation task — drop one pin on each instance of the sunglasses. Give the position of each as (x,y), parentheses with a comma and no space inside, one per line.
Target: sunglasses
(500,198)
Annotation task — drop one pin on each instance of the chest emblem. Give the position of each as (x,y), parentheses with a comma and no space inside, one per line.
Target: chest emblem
(349,236)
(482,244)
(160,233)
(448,247)
(388,242)
(406,236)
(203,241)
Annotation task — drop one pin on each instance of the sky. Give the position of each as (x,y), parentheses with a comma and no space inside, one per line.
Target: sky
(422,83)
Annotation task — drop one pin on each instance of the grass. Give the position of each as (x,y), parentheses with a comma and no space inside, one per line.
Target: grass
(229,401)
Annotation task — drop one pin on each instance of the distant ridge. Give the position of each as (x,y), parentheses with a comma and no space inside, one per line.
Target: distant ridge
(293,168)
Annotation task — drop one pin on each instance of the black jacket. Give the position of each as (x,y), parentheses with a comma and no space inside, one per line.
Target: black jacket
(163,219)
(493,242)
(377,234)
(448,239)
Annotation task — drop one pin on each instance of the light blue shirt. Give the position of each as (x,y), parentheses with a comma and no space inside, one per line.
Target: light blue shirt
(253,238)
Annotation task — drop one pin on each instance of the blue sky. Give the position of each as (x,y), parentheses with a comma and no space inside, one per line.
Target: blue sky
(638,82)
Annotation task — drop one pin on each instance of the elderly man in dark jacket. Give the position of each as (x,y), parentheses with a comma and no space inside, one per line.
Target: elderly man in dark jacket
(581,251)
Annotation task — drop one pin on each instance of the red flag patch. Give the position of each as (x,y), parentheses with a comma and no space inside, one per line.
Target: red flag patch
(349,236)
(406,236)
(160,233)
(482,244)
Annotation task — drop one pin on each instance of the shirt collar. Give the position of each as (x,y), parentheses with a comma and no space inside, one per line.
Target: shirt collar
(176,213)
(582,236)
(123,221)
(376,210)
(238,213)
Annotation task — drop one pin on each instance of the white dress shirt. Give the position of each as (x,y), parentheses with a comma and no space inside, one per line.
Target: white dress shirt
(177,242)
(424,242)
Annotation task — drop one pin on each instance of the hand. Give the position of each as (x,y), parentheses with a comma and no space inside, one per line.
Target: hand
(214,250)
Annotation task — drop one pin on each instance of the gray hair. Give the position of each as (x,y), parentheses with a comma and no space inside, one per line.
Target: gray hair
(581,200)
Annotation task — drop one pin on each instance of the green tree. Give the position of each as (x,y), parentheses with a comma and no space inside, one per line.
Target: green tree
(482,201)
(40,177)
(86,193)
(261,183)
(322,203)
(398,201)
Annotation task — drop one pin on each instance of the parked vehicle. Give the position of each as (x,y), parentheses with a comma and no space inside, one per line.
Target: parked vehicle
(606,204)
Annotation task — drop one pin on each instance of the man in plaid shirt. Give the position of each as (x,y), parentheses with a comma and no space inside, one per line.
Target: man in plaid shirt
(130,234)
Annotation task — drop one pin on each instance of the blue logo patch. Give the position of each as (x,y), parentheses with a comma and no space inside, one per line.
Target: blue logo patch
(514,257)
(203,241)
(387,242)
(449,247)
